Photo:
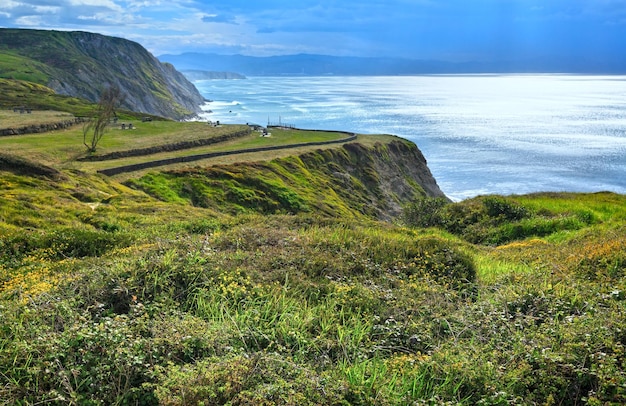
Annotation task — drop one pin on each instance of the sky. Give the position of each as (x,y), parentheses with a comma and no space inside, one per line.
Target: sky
(451,30)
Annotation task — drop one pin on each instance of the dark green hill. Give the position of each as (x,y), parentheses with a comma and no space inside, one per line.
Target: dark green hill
(81,64)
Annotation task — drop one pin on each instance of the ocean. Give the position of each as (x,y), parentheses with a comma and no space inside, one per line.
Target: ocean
(481,134)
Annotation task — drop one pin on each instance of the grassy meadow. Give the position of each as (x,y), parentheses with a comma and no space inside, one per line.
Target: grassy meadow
(63,148)
(162,288)
(11,119)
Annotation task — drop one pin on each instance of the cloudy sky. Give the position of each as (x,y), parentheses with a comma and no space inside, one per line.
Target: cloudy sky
(454,30)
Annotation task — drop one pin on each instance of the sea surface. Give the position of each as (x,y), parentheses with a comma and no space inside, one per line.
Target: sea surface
(481,134)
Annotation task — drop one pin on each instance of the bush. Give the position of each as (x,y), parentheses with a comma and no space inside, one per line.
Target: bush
(62,243)
(259,379)
(438,259)
(424,212)
(102,363)
(491,220)
(500,208)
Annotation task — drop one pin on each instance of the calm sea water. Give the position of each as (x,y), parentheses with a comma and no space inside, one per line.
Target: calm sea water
(480,134)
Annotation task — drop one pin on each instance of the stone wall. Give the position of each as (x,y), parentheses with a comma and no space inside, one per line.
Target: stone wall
(41,128)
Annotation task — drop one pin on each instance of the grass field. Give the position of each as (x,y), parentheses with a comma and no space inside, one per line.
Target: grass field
(11,119)
(272,284)
(63,148)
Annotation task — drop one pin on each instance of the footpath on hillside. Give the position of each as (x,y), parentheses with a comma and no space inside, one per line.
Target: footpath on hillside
(191,158)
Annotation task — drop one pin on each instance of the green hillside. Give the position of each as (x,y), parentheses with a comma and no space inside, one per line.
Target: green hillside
(18,67)
(270,278)
(36,96)
(81,64)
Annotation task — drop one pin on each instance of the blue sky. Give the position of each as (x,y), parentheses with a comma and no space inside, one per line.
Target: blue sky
(454,30)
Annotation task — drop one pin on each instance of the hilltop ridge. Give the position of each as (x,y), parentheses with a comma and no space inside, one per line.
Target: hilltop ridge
(81,64)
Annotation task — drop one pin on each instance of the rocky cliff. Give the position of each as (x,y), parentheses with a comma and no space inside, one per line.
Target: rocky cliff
(81,64)
(380,179)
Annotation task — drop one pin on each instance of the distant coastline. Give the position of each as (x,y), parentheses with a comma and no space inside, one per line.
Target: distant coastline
(194,75)
(322,65)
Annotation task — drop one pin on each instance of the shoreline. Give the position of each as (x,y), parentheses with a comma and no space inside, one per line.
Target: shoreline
(506,134)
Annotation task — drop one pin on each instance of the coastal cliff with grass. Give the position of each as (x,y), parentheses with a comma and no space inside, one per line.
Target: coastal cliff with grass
(82,64)
(227,266)
(333,274)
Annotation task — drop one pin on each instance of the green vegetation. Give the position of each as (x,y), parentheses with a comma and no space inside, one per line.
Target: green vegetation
(274,283)
(495,220)
(82,64)
(11,119)
(63,148)
(94,129)
(308,183)
(39,97)
(22,68)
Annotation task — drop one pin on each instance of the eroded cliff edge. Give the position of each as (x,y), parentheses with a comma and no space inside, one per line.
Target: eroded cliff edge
(351,180)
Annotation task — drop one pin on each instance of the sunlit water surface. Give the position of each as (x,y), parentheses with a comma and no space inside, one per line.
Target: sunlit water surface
(480,134)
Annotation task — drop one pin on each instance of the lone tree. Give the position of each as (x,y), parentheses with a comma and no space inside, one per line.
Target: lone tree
(110,98)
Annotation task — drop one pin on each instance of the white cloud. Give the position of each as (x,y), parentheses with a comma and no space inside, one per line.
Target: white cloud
(95,3)
(30,21)
(9,4)
(314,26)
(46,9)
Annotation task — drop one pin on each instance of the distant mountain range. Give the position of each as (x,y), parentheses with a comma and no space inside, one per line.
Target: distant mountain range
(209,75)
(315,65)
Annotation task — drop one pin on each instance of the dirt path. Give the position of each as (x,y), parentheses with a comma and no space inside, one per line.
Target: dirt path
(191,158)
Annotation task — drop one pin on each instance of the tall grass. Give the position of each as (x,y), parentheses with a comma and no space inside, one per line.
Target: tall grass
(146,301)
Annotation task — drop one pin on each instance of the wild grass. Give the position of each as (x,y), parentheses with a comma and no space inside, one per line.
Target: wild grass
(243,309)
(16,92)
(11,119)
(64,147)
(200,287)
(19,67)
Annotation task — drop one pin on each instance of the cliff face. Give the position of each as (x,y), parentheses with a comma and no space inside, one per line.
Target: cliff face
(380,179)
(81,64)
(348,181)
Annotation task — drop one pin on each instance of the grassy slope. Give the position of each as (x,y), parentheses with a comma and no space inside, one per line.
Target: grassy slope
(111,296)
(35,96)
(20,67)
(62,148)
(81,64)
(11,119)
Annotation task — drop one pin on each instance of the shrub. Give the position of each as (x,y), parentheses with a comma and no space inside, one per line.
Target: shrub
(258,379)
(77,243)
(439,260)
(85,364)
(62,243)
(494,220)
(601,258)
(500,208)
(424,212)
(202,226)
